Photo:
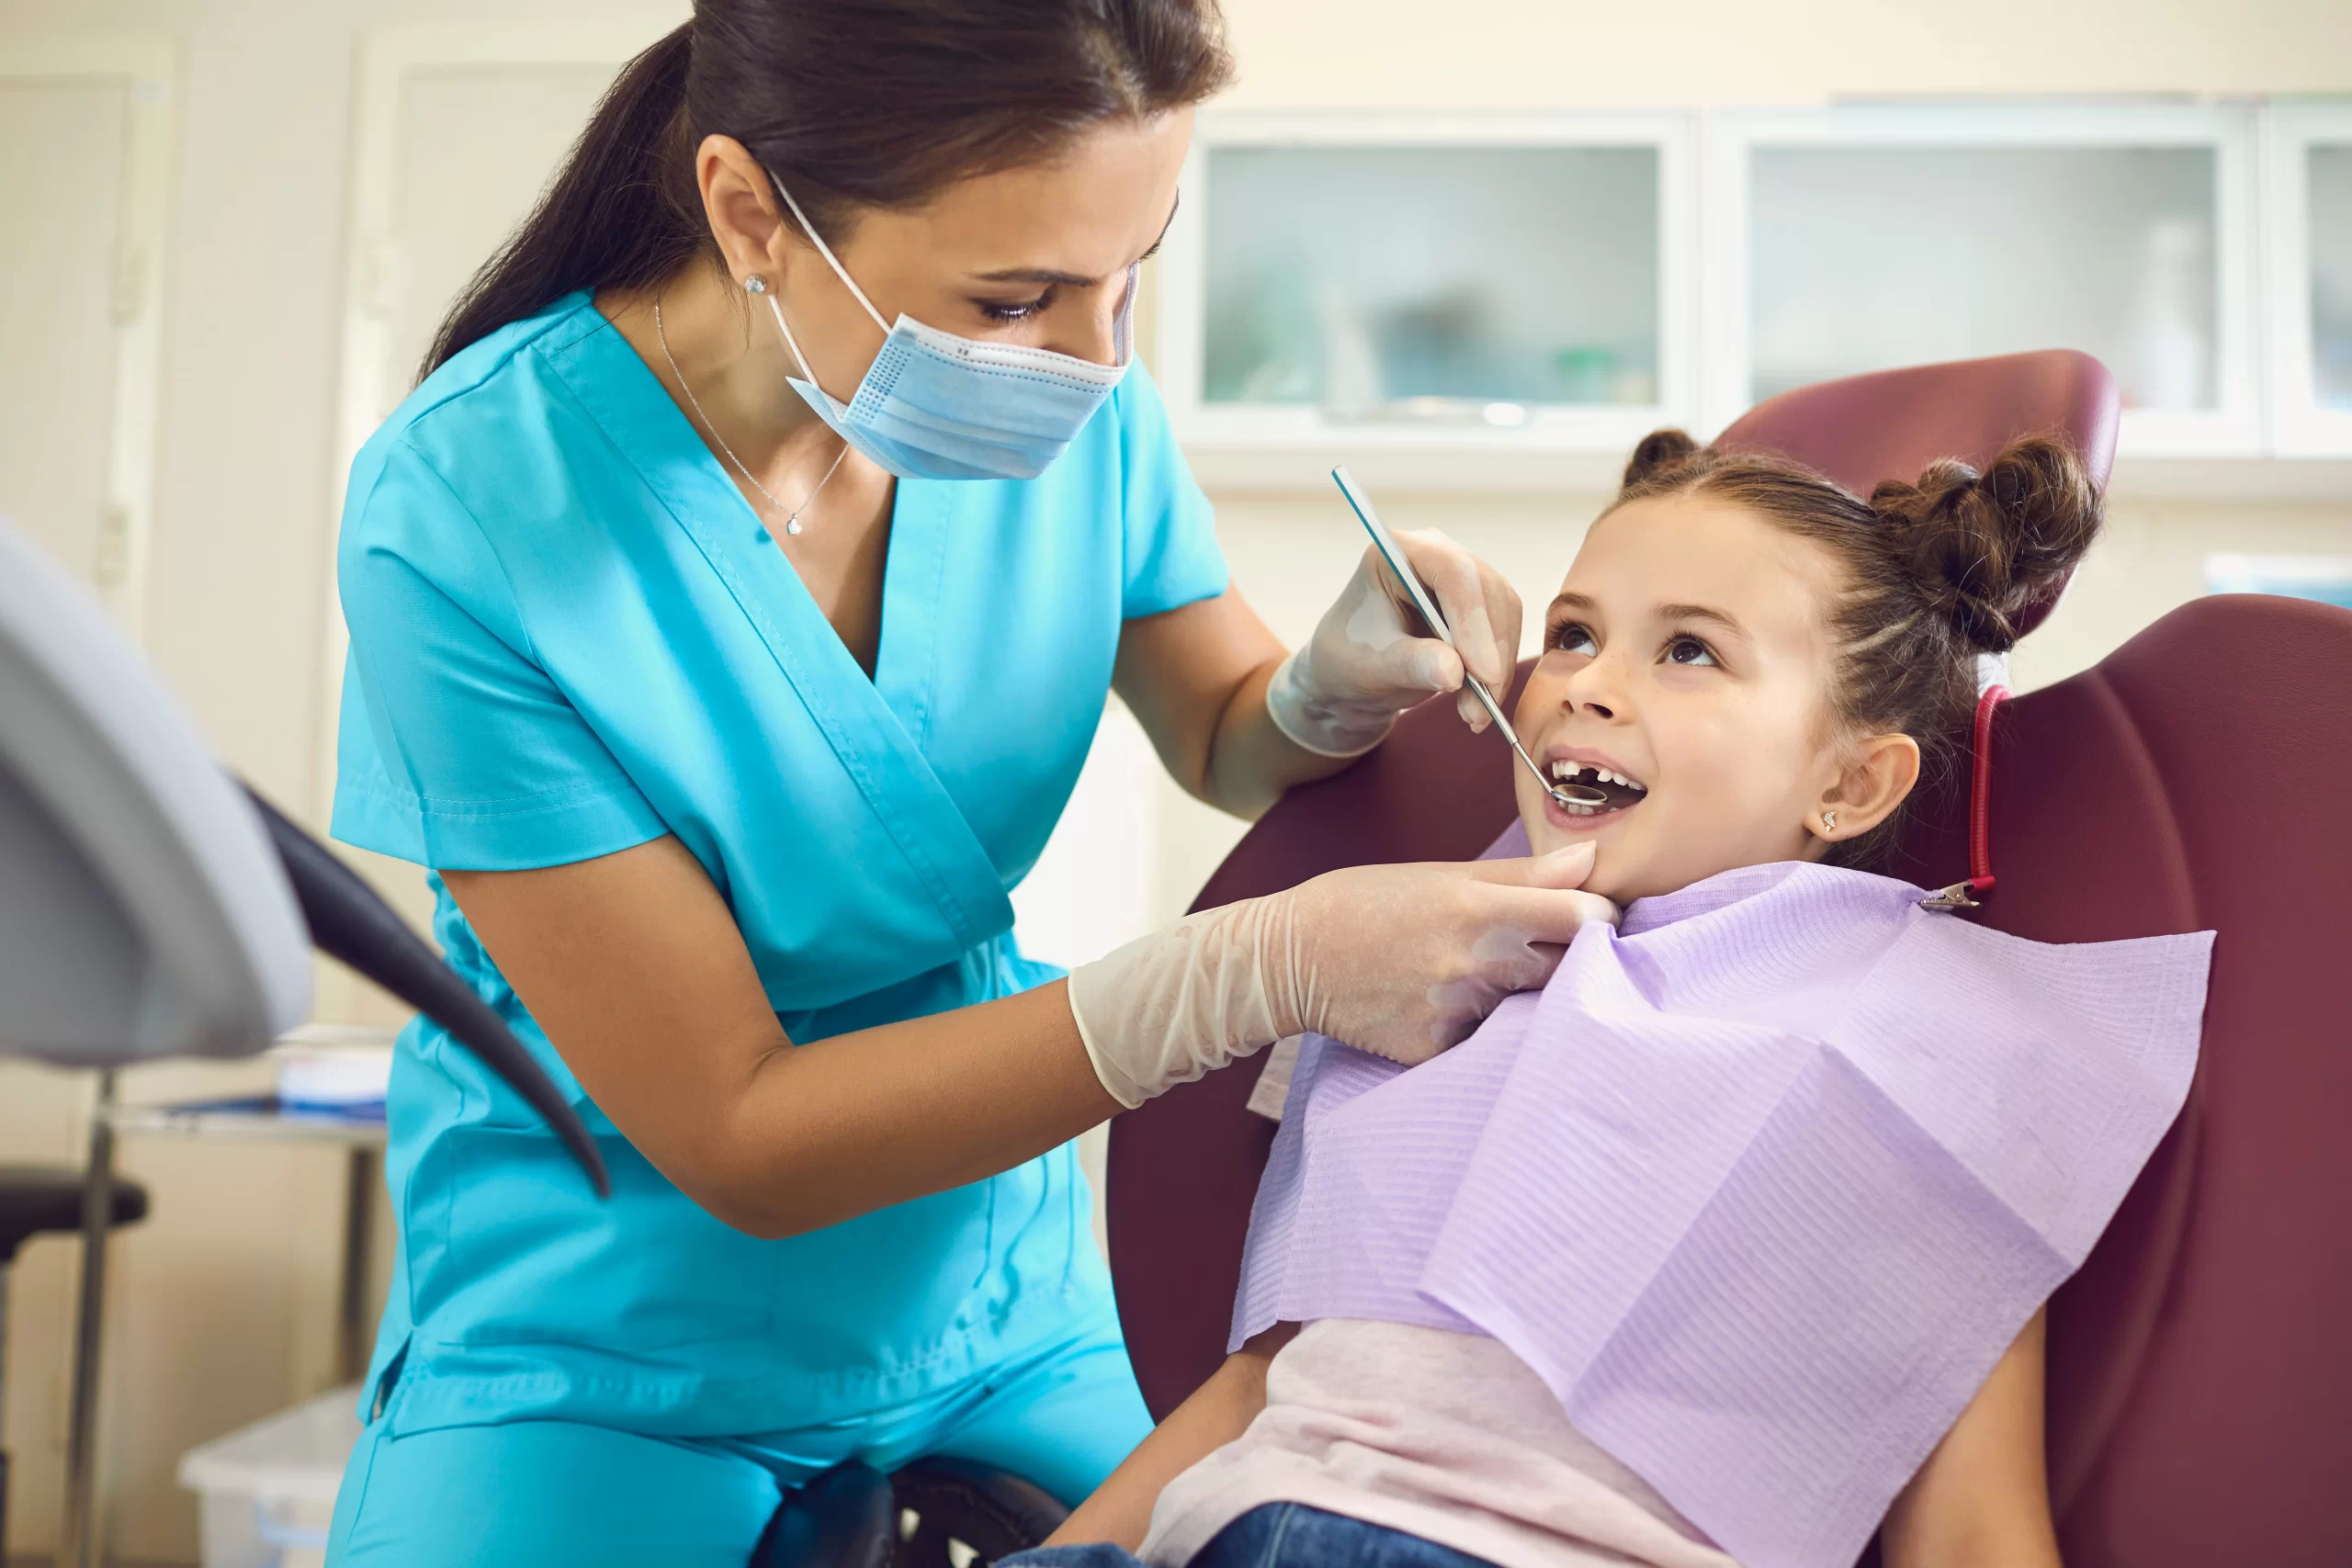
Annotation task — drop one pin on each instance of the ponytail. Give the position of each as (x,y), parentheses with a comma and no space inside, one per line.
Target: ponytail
(618,216)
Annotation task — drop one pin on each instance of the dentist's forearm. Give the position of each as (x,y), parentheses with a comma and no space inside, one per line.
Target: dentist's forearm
(1195,679)
(1252,762)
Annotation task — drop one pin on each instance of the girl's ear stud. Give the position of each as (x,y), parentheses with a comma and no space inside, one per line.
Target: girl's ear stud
(1830,821)
(755,284)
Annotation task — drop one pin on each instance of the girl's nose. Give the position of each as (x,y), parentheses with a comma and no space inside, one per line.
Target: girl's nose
(1592,690)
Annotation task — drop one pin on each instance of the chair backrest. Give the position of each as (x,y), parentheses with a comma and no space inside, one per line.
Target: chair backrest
(1184,1171)
(1891,424)
(1183,1168)
(2201,1360)
(2200,1364)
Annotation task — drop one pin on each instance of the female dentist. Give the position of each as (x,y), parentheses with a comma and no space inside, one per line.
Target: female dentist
(732,608)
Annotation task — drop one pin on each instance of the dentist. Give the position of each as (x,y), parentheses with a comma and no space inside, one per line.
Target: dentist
(732,608)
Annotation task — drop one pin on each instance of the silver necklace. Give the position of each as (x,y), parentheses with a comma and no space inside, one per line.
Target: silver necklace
(792,518)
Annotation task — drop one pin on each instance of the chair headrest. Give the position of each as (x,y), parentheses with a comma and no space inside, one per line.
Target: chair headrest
(1864,430)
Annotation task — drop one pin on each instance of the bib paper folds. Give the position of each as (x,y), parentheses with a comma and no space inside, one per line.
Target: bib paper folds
(1762,1184)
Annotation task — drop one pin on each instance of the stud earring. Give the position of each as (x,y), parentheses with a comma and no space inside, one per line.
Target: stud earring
(755,284)
(1830,821)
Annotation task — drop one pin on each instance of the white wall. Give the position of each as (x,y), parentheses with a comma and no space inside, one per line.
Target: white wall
(223,1302)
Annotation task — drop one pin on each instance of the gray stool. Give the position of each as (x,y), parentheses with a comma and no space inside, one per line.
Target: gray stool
(44,1200)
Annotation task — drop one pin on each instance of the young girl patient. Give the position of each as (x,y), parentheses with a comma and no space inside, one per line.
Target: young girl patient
(1717,1250)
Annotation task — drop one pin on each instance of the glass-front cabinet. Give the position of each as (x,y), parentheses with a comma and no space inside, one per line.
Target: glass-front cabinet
(1874,238)
(2307,202)
(1561,283)
(1351,283)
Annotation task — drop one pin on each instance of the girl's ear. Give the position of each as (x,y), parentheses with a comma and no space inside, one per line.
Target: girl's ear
(1877,774)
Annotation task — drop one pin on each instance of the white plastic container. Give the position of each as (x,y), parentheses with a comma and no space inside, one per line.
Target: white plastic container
(268,1490)
(332,1076)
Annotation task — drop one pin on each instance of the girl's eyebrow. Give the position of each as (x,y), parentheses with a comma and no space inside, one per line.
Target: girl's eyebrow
(1586,604)
(1722,618)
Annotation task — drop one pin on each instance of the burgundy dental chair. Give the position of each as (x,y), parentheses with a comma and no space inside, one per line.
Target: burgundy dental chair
(2200,1364)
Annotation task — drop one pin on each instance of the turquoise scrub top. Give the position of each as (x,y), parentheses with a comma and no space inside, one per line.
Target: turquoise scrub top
(569,634)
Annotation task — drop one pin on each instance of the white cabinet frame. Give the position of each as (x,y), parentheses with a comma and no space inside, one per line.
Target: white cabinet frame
(150,65)
(1246,438)
(387,59)
(2299,425)
(2233,428)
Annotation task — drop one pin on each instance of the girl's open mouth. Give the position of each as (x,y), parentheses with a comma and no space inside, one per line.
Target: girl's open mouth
(1596,793)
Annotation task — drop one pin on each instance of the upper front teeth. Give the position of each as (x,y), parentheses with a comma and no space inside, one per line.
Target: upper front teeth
(1568,770)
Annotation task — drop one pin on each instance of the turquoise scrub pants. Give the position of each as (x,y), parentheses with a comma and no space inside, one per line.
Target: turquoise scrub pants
(560,1495)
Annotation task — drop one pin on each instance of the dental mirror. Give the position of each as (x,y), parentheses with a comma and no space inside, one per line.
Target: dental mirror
(1390,551)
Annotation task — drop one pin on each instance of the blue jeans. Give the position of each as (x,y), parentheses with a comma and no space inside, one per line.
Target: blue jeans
(1279,1535)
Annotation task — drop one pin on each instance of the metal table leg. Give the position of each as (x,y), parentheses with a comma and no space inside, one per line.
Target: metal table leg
(77,1528)
(357,1328)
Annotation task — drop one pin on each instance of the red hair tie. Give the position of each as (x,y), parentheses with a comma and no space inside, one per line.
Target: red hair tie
(1964,894)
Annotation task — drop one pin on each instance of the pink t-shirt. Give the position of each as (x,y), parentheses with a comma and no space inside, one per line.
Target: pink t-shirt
(1448,1437)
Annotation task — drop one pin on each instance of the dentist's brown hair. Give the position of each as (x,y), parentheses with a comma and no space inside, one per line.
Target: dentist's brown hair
(858,102)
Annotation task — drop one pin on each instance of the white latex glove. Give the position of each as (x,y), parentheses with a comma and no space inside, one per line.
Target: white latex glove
(1339,694)
(1400,960)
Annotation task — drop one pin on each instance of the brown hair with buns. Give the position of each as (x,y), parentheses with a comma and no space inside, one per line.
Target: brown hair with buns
(1937,571)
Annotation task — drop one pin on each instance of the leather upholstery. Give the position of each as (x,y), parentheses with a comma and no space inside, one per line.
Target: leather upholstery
(1891,424)
(2200,1364)
(1183,1169)
(2201,1360)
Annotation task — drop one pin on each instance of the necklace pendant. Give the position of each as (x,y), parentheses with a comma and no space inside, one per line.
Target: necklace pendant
(792,527)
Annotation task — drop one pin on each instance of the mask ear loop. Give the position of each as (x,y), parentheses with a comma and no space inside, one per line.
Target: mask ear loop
(832,260)
(786,328)
(1964,895)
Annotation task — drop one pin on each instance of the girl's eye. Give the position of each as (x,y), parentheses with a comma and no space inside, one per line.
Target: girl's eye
(1572,637)
(1688,651)
(997,311)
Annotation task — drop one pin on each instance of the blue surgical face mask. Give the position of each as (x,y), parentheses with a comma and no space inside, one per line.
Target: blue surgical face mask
(935,406)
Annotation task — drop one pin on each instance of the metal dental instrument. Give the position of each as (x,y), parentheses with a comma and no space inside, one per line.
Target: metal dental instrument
(1394,554)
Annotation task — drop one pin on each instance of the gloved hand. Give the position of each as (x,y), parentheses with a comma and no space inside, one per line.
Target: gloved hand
(1398,960)
(1339,694)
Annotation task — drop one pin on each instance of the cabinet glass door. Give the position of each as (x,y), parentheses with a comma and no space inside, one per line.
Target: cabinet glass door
(1379,284)
(1865,258)
(1389,281)
(1878,237)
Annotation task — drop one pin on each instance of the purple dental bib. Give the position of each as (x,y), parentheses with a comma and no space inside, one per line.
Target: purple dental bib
(1762,1184)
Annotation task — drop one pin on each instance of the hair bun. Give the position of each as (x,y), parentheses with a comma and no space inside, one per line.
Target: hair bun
(1985,549)
(1660,451)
